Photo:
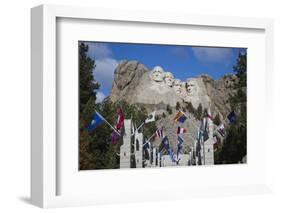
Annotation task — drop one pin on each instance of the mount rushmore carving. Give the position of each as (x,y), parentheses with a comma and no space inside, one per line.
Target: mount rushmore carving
(136,84)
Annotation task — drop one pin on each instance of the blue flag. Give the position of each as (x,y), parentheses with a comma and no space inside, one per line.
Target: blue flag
(172,156)
(232,118)
(165,143)
(179,145)
(180,117)
(146,145)
(180,141)
(96,120)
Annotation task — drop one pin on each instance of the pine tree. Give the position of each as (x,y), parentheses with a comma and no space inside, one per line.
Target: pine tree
(169,109)
(87,83)
(178,105)
(87,98)
(241,69)
(217,120)
(198,113)
(190,107)
(234,147)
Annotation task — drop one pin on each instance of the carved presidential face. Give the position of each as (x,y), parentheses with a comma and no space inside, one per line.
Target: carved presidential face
(169,79)
(157,74)
(177,86)
(191,86)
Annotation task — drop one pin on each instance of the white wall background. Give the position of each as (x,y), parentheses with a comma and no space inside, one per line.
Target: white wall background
(15,104)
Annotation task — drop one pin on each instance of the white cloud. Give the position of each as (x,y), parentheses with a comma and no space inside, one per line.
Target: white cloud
(100,97)
(105,66)
(104,72)
(98,50)
(212,54)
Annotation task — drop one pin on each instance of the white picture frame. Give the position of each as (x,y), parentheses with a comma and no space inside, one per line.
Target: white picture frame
(44,154)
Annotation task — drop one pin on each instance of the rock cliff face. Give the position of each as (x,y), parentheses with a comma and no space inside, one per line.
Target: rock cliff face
(134,83)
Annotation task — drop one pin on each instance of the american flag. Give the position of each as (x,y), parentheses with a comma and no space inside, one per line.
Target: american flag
(159,133)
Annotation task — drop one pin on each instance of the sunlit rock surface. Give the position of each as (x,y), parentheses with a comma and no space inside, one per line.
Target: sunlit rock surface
(136,84)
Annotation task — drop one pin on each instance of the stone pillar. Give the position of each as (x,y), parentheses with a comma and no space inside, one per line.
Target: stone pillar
(209,144)
(125,148)
(210,125)
(209,152)
(159,159)
(138,149)
(154,157)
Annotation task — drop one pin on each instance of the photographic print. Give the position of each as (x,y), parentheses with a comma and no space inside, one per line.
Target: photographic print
(152,105)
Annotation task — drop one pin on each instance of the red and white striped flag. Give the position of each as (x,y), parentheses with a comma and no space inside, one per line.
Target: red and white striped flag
(159,133)
(181,130)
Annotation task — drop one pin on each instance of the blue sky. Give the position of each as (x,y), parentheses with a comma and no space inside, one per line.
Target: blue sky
(183,61)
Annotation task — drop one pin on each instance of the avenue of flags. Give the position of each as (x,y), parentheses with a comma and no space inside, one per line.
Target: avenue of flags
(202,134)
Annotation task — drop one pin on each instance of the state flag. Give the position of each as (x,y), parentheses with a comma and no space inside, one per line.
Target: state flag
(180,117)
(181,130)
(95,121)
(150,118)
(147,145)
(114,137)
(221,130)
(159,133)
(179,144)
(165,143)
(210,117)
(120,119)
(172,155)
(232,117)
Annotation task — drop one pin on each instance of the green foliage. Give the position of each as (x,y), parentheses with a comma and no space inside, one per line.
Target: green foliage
(87,98)
(157,117)
(241,69)
(234,147)
(205,113)
(87,84)
(198,112)
(178,105)
(169,109)
(190,108)
(217,120)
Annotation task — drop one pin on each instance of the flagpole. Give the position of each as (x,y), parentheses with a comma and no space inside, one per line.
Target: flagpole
(108,123)
(138,128)
(151,136)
